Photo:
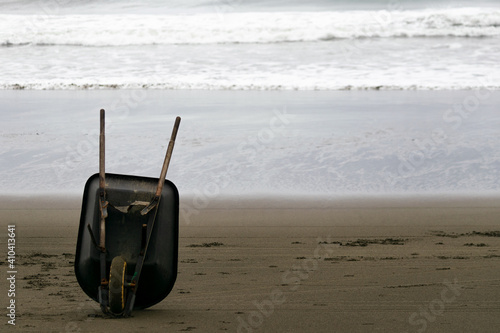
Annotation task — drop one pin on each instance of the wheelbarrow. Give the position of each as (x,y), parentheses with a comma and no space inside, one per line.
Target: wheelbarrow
(128,233)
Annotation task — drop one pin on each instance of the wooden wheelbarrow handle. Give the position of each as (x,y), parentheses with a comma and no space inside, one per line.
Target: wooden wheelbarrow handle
(102,187)
(101,153)
(163,174)
(168,156)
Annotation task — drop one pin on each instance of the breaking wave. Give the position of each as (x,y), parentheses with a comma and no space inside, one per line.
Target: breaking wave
(256,27)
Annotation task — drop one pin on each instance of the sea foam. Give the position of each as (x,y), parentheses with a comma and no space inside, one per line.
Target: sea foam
(270,27)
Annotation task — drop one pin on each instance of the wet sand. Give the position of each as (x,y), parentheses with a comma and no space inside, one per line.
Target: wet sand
(248,142)
(432,267)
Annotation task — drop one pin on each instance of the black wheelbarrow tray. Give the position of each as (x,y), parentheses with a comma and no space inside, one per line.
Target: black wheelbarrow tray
(129,229)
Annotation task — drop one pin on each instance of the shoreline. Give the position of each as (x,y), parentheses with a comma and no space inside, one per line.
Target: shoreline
(373,210)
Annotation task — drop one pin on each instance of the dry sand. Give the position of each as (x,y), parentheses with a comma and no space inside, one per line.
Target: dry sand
(429,266)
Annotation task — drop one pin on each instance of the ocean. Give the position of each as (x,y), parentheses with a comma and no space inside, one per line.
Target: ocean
(249,45)
(277,97)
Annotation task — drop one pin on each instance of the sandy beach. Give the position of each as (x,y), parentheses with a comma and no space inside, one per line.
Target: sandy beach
(311,236)
(338,162)
(422,266)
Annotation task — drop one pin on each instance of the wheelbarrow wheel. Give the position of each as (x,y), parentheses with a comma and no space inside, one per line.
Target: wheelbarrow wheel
(117,291)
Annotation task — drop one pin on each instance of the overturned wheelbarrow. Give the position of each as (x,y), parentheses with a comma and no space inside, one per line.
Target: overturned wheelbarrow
(128,233)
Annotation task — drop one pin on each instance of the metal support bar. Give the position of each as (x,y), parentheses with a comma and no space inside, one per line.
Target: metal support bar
(92,237)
